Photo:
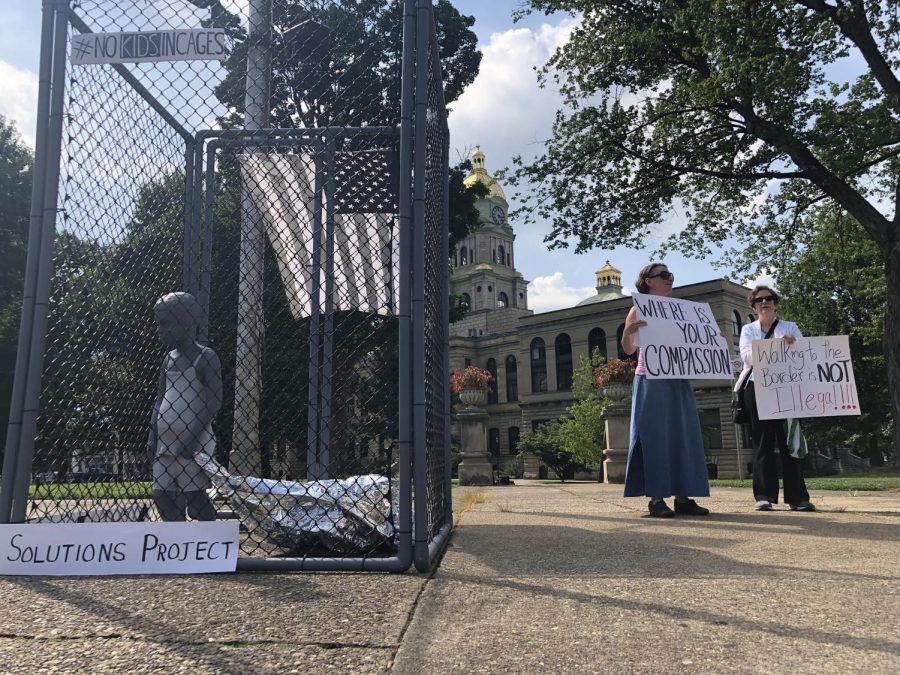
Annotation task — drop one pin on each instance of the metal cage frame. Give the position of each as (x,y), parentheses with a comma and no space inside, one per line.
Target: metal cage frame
(424,495)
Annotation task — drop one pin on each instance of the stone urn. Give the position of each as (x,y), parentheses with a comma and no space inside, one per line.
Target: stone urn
(617,391)
(472,397)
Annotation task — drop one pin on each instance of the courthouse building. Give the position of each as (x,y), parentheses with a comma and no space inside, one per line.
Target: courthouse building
(533,356)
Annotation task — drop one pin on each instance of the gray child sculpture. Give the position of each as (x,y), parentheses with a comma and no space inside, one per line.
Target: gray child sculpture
(190,394)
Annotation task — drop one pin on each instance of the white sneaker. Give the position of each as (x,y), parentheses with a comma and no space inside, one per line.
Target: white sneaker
(763,505)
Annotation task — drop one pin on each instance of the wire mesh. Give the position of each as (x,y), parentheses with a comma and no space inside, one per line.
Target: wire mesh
(117,249)
(327,393)
(435,294)
(270,391)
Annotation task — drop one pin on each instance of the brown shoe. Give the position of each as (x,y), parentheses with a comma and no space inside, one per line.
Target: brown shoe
(660,510)
(689,507)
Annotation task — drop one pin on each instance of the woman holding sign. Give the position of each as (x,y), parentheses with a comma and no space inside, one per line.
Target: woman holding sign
(767,435)
(665,456)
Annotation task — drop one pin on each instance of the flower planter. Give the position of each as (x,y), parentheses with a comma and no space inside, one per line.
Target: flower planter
(472,397)
(616,391)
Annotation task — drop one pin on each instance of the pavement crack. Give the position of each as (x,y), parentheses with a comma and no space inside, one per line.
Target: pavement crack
(231,642)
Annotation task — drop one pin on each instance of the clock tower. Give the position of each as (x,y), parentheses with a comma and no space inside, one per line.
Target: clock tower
(484,273)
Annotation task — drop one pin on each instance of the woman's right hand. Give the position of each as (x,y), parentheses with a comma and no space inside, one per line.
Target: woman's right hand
(632,328)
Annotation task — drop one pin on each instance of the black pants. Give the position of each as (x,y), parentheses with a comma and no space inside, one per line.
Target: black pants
(172,505)
(767,436)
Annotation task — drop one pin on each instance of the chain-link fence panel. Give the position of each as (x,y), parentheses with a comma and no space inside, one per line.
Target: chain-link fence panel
(433,506)
(322,411)
(227,282)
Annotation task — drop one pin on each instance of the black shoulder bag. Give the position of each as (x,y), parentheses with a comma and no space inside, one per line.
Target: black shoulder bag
(739,411)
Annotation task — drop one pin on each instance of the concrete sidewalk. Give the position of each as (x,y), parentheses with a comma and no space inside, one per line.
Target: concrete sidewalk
(538,578)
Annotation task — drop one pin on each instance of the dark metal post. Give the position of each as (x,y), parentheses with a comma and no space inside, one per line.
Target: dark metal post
(23,353)
(407,102)
(315,324)
(245,452)
(45,270)
(324,459)
(420,438)
(206,180)
(445,275)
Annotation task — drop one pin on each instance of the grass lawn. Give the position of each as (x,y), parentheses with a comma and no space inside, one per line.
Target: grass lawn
(844,483)
(841,483)
(91,491)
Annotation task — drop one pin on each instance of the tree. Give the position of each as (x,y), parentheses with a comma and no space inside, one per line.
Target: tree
(338,63)
(333,64)
(581,431)
(100,380)
(546,443)
(16,165)
(737,114)
(835,286)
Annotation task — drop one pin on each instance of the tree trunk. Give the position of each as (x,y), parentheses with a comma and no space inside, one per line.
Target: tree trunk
(892,341)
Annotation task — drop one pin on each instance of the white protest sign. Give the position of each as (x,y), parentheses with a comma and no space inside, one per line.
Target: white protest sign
(681,340)
(199,44)
(57,549)
(813,377)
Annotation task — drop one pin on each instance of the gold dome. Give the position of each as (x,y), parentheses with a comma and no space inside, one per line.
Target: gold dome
(608,276)
(609,285)
(480,175)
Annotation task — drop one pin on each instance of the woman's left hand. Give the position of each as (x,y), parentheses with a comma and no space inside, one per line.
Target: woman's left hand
(790,339)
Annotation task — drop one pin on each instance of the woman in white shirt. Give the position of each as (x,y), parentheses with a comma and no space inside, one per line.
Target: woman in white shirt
(767,435)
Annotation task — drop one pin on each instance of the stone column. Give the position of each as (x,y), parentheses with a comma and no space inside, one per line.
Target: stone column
(617,425)
(475,466)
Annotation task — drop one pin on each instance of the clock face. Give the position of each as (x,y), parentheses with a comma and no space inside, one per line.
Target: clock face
(497,215)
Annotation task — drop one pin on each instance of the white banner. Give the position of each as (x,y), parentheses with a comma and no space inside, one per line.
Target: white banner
(681,340)
(811,378)
(60,549)
(200,44)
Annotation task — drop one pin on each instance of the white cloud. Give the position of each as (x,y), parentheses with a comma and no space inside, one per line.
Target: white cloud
(552,292)
(504,110)
(19,101)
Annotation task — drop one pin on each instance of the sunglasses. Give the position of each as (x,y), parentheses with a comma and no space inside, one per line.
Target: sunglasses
(765,298)
(665,275)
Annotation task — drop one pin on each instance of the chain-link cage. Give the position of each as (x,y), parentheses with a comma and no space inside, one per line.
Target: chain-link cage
(230,312)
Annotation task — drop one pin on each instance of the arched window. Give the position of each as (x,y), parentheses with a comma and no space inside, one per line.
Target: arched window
(597,340)
(494,445)
(465,301)
(736,327)
(472,255)
(463,256)
(513,433)
(502,300)
(563,350)
(491,367)
(455,258)
(512,379)
(538,365)
(621,352)
(501,255)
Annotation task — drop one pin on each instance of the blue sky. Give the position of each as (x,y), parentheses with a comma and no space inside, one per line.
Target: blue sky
(503,110)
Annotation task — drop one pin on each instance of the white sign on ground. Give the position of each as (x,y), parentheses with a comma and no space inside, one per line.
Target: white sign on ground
(681,340)
(811,378)
(58,549)
(199,44)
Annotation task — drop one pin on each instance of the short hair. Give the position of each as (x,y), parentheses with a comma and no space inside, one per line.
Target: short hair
(641,282)
(757,289)
(182,303)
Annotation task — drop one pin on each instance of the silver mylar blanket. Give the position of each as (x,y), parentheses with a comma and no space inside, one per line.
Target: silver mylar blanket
(345,515)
